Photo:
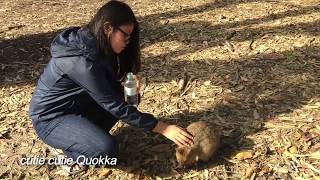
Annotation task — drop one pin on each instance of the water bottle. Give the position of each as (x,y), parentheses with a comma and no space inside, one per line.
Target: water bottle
(130,90)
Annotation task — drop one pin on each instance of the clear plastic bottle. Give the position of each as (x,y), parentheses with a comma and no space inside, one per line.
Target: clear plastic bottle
(130,90)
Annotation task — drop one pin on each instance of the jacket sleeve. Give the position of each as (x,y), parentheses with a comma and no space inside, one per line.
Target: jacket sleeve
(91,77)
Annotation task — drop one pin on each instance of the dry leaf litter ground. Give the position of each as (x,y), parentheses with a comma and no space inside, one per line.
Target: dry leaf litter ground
(250,66)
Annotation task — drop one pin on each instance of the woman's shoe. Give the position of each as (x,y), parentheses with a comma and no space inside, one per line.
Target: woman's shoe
(70,169)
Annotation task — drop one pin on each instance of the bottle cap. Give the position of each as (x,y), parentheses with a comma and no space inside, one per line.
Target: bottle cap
(130,76)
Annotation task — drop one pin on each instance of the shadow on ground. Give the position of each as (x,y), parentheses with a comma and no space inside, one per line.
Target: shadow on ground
(270,84)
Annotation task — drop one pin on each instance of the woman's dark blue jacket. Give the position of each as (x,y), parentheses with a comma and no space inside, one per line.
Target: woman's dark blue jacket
(77,71)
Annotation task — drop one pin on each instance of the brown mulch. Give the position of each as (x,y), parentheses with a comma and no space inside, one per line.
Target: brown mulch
(251,67)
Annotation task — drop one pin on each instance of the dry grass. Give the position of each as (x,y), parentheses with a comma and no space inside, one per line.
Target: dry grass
(249,66)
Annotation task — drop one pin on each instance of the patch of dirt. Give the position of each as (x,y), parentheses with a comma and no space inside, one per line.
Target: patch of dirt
(250,66)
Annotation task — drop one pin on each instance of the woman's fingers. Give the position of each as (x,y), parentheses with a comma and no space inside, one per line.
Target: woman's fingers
(185,140)
(137,78)
(178,142)
(184,137)
(186,134)
(178,135)
(138,86)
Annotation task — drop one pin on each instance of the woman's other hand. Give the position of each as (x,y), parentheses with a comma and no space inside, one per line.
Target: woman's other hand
(175,133)
(138,80)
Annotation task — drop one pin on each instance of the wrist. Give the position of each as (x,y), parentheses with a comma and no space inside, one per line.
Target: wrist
(160,127)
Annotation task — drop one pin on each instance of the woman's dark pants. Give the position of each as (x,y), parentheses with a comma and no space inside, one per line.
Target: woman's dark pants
(84,130)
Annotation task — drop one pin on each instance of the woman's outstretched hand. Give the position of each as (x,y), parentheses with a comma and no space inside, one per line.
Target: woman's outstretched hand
(175,133)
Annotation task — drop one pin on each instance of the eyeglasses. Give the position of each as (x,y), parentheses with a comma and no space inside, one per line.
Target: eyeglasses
(127,35)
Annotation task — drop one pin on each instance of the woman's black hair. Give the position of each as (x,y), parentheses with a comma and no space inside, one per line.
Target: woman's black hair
(117,14)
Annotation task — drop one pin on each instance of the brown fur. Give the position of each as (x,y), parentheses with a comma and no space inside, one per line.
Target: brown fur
(206,143)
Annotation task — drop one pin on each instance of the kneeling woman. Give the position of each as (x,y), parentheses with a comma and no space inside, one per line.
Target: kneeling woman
(78,97)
